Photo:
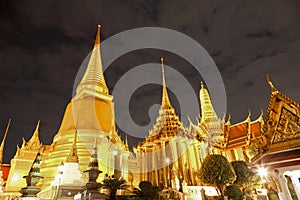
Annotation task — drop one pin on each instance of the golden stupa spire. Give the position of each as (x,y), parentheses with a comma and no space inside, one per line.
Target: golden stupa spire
(167,119)
(126,144)
(165,98)
(3,142)
(35,136)
(93,78)
(73,157)
(202,85)
(97,40)
(207,110)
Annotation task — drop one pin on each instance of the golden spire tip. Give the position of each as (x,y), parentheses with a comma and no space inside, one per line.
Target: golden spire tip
(165,98)
(162,69)
(97,41)
(202,85)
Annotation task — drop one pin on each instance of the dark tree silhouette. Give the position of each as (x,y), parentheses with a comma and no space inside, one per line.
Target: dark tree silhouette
(146,191)
(113,184)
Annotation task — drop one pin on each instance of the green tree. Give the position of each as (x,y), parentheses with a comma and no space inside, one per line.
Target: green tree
(113,184)
(146,191)
(217,171)
(245,178)
(234,192)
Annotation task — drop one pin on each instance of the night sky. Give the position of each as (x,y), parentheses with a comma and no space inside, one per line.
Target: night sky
(43,43)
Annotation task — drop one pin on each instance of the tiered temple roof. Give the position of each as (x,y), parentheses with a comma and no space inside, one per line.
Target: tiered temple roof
(167,123)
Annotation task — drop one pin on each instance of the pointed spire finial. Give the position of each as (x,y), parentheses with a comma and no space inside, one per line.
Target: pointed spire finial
(165,97)
(5,135)
(97,40)
(3,142)
(261,112)
(271,84)
(93,78)
(35,136)
(229,118)
(249,116)
(37,126)
(202,85)
(126,143)
(163,71)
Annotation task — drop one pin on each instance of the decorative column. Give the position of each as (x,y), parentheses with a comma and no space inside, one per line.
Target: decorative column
(32,179)
(92,187)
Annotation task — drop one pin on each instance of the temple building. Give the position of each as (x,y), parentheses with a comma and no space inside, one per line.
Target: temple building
(170,156)
(278,146)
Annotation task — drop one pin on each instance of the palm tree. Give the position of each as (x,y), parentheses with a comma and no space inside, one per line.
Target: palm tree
(146,191)
(113,184)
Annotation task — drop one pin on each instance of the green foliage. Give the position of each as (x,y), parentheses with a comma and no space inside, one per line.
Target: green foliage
(146,191)
(234,192)
(113,184)
(245,178)
(217,171)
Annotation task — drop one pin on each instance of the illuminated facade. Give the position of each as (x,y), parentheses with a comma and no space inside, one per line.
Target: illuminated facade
(172,154)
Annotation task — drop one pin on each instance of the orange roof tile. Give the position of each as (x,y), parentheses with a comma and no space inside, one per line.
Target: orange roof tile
(238,131)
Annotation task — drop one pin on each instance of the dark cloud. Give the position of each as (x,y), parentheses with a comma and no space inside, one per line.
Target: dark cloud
(42,45)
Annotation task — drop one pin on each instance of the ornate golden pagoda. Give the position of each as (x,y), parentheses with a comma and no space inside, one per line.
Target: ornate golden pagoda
(90,114)
(167,157)
(210,126)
